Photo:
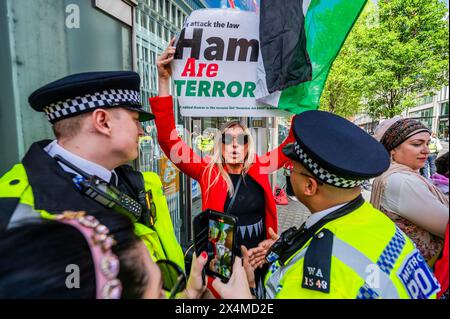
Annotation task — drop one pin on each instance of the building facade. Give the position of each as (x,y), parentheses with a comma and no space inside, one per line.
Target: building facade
(156,22)
(46,40)
(433,112)
(430,110)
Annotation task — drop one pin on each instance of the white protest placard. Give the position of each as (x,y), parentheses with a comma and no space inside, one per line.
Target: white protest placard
(215,65)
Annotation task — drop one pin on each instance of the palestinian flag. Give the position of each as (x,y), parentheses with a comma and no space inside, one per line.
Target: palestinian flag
(299,41)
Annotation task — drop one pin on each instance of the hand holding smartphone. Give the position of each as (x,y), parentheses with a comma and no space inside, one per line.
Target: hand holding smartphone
(214,232)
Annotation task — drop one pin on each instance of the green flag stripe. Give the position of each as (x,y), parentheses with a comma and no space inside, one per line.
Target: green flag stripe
(327,25)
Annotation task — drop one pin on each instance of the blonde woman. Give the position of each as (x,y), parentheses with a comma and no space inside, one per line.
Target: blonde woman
(234,162)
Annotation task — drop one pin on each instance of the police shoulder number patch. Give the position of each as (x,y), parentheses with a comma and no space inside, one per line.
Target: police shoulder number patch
(417,277)
(317,262)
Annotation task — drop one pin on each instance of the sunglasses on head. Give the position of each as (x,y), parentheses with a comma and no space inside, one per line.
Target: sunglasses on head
(241,139)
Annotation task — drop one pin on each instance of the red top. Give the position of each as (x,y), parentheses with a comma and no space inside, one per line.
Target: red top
(441,267)
(196,167)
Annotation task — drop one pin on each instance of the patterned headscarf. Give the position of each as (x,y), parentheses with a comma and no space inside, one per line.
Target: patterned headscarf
(401,130)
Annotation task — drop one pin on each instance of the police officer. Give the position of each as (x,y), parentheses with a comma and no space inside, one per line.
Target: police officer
(96,118)
(346,248)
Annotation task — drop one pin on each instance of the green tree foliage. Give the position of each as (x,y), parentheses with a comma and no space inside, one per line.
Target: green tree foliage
(396,51)
(342,94)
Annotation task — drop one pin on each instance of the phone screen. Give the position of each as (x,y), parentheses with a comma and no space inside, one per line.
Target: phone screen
(220,247)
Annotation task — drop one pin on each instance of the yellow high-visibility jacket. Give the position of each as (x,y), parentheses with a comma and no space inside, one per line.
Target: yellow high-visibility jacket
(361,255)
(53,193)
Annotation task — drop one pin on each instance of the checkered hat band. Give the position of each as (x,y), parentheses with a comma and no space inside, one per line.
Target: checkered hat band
(80,104)
(322,174)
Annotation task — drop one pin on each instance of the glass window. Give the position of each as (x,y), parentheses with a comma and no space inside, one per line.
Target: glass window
(143,21)
(425,116)
(100,43)
(444,109)
(174,14)
(137,16)
(159,34)
(181,17)
(443,129)
(167,7)
(424,100)
(151,25)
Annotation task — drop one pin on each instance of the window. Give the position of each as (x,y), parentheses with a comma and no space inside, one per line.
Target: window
(145,54)
(137,16)
(151,4)
(443,109)
(425,116)
(178,19)
(152,26)
(159,30)
(424,100)
(443,129)
(174,14)
(181,19)
(167,7)
(143,21)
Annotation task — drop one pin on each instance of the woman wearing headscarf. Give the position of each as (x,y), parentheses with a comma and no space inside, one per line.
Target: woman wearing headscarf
(418,207)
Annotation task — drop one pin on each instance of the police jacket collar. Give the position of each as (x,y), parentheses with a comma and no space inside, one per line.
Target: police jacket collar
(317,216)
(89,167)
(53,188)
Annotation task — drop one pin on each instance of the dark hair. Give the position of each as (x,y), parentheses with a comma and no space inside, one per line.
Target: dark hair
(442,164)
(34,257)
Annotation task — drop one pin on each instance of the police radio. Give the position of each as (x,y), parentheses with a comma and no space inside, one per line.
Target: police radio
(105,194)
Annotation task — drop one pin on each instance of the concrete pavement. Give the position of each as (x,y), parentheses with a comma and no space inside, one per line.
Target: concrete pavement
(295,213)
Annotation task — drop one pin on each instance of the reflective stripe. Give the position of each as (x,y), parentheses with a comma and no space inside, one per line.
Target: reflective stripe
(23,214)
(366,292)
(365,268)
(392,251)
(351,257)
(277,275)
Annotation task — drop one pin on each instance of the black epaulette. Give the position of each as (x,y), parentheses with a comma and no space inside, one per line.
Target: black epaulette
(317,262)
(7,207)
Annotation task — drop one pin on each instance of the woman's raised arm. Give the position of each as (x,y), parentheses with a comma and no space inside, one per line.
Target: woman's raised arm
(173,146)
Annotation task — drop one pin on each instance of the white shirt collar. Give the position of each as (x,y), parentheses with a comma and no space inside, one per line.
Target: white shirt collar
(89,167)
(314,218)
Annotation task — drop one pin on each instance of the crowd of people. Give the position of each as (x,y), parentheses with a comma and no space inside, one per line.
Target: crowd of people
(74,215)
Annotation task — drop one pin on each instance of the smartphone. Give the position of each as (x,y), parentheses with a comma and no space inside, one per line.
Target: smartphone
(200,227)
(221,245)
